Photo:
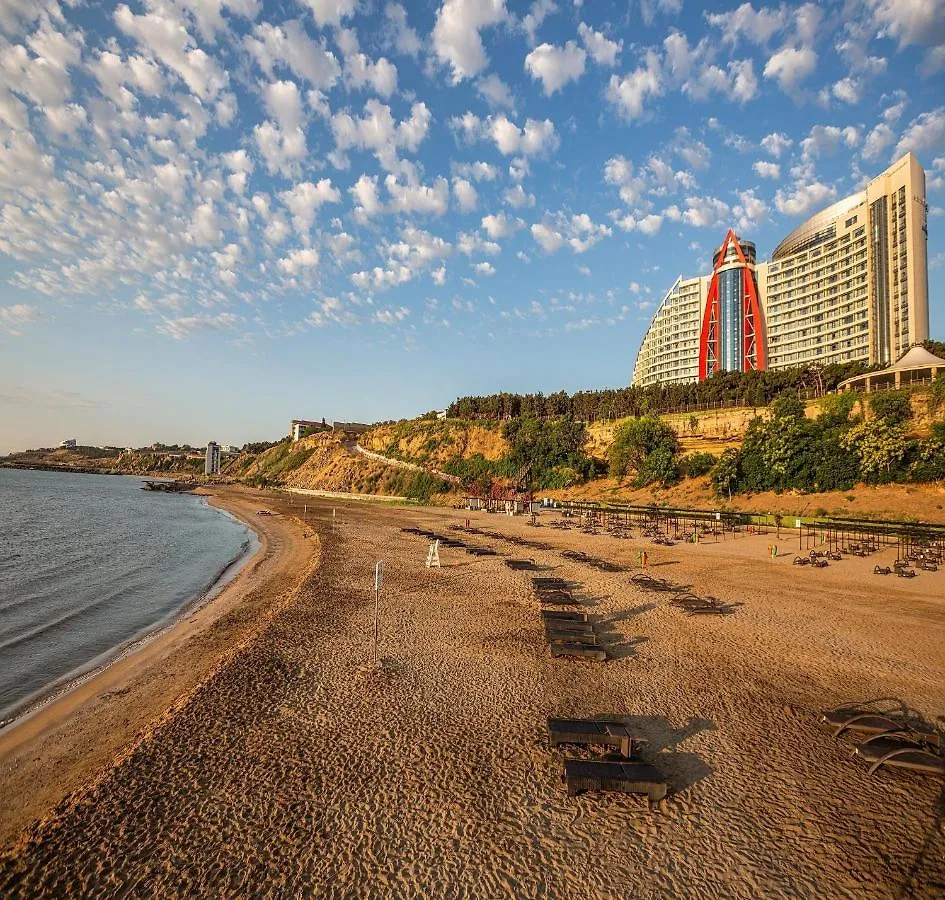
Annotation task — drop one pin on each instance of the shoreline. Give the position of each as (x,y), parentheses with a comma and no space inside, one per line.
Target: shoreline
(136,686)
(30,705)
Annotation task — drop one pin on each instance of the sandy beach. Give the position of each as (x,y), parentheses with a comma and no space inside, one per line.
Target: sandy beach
(257,751)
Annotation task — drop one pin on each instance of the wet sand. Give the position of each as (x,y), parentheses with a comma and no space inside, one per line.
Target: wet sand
(292,767)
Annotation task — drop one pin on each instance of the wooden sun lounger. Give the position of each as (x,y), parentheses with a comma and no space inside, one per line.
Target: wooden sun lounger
(561,598)
(520,564)
(573,631)
(590,731)
(556,636)
(625,777)
(578,648)
(902,752)
(563,615)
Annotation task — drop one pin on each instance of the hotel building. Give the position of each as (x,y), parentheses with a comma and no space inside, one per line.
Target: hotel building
(211,464)
(849,284)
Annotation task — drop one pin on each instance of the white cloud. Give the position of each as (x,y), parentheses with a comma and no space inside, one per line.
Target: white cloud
(803,198)
(379,132)
(366,196)
(391,316)
(539,11)
(410,197)
(13,318)
(439,276)
(881,137)
(518,197)
(499,226)
(181,328)
(305,199)
(205,228)
(649,9)
(288,45)
(776,143)
(549,239)
(471,242)
(618,170)
(299,261)
(330,12)
(700,212)
(164,37)
(477,171)
(534,139)
(749,212)
(756,26)
(847,90)
(767,169)
(648,225)
(579,232)
(484,268)
(790,66)
(400,35)
(825,140)
(555,66)
(925,134)
(466,195)
(602,50)
(495,92)
(456,39)
(629,93)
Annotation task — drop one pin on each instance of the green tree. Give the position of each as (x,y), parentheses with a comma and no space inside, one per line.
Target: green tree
(725,473)
(879,446)
(636,441)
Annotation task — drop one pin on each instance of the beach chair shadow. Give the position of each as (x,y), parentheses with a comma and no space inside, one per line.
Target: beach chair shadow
(626,614)
(623,649)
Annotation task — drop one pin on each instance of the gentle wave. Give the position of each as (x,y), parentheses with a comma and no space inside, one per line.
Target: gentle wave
(91,564)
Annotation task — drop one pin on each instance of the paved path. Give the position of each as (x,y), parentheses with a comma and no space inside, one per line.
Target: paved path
(400,464)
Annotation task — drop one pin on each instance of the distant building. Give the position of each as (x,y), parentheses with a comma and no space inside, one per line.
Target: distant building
(441,414)
(212,464)
(68,444)
(229,449)
(298,427)
(350,427)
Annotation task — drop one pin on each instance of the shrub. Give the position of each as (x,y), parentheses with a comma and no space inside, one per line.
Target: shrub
(891,406)
(696,464)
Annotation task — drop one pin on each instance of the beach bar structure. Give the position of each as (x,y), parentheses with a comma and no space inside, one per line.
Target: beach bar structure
(916,366)
(837,534)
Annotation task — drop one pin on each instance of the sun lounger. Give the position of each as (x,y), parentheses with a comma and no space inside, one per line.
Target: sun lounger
(520,564)
(558,598)
(905,573)
(882,570)
(902,752)
(801,561)
(566,636)
(590,731)
(863,721)
(578,648)
(623,776)
(562,615)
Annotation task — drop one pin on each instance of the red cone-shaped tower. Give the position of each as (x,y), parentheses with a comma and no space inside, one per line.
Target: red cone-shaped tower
(733,336)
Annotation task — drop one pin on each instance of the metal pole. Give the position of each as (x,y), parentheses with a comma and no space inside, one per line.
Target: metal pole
(377,593)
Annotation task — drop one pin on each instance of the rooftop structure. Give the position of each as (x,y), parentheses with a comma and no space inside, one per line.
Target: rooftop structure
(916,366)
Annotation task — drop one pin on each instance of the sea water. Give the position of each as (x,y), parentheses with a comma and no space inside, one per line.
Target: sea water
(89,564)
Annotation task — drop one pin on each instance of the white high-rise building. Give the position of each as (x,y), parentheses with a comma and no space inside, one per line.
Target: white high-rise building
(211,465)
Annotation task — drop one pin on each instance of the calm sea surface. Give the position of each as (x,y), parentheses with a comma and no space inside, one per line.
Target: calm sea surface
(89,562)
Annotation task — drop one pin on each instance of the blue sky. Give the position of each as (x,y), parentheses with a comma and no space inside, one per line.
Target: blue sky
(216,215)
